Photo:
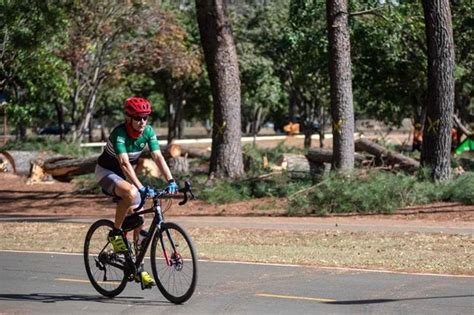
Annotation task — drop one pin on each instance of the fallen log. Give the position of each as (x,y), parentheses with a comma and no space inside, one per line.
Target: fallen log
(171,151)
(20,162)
(195,153)
(318,155)
(63,169)
(320,161)
(386,156)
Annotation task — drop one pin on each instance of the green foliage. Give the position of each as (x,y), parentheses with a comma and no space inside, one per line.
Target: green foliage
(28,74)
(389,62)
(279,186)
(460,189)
(378,192)
(301,52)
(262,91)
(463,32)
(224,192)
(48,145)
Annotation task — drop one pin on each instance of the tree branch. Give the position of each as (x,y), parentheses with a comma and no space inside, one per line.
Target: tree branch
(460,126)
(373,11)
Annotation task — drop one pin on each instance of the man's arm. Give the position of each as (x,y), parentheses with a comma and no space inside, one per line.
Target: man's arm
(128,170)
(161,163)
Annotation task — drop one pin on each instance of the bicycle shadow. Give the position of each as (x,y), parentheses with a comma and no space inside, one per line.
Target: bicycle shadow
(377,301)
(59,297)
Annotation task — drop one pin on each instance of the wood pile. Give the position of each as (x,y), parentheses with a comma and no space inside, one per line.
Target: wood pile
(41,166)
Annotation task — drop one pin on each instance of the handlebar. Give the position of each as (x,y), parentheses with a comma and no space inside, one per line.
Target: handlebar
(163,194)
(186,190)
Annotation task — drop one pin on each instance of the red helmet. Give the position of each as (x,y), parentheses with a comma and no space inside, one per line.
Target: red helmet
(134,106)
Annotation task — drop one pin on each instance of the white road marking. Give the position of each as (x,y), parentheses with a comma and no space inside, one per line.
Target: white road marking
(293,297)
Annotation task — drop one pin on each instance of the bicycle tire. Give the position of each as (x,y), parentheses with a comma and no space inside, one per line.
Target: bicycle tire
(97,251)
(182,271)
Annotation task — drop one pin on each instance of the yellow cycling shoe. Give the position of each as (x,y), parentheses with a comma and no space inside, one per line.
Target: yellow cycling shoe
(118,241)
(146,280)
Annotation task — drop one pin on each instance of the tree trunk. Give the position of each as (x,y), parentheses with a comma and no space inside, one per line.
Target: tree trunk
(437,129)
(60,117)
(342,110)
(175,103)
(221,60)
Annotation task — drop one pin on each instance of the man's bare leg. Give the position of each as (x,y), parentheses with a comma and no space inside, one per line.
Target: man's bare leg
(128,193)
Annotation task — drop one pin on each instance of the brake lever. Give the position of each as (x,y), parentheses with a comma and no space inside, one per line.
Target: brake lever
(186,190)
(185,199)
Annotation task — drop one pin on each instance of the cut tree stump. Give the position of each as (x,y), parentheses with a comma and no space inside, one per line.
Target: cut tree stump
(179,164)
(147,167)
(297,165)
(386,156)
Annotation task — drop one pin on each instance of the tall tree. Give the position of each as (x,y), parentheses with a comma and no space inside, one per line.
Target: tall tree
(437,130)
(222,65)
(28,30)
(95,52)
(342,110)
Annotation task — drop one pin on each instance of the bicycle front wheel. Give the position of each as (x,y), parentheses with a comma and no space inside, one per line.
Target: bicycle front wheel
(174,263)
(104,267)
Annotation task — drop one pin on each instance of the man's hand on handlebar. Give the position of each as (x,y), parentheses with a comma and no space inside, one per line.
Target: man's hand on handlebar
(172,187)
(147,192)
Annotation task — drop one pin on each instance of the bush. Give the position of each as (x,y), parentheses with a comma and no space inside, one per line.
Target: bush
(275,186)
(461,189)
(372,192)
(224,192)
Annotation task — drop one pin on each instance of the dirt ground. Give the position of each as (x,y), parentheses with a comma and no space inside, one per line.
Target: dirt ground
(17,198)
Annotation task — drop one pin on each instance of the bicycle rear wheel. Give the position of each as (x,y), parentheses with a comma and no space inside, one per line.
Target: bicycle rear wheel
(104,267)
(174,263)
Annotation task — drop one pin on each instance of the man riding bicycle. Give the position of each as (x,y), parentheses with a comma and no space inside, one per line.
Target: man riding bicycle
(116,174)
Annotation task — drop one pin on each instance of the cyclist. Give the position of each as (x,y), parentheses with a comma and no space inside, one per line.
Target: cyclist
(116,174)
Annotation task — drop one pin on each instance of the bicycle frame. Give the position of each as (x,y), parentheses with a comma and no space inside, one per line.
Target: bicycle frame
(156,223)
(158,220)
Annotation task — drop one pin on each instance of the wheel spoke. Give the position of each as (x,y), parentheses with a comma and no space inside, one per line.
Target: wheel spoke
(106,278)
(176,280)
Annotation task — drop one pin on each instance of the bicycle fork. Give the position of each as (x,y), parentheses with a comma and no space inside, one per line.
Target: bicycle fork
(175,258)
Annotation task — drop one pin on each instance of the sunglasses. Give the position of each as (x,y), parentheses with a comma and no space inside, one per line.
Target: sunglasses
(139,118)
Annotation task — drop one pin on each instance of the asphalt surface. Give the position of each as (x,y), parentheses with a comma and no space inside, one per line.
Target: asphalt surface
(45,283)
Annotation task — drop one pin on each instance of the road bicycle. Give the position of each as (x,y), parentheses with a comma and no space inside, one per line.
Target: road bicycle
(172,254)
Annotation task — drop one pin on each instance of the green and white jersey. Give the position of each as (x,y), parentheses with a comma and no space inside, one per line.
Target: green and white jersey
(119,142)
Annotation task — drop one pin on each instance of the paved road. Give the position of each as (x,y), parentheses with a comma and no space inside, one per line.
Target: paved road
(279,223)
(45,283)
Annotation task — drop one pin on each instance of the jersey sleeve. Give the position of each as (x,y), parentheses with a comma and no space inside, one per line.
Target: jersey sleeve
(118,138)
(153,143)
